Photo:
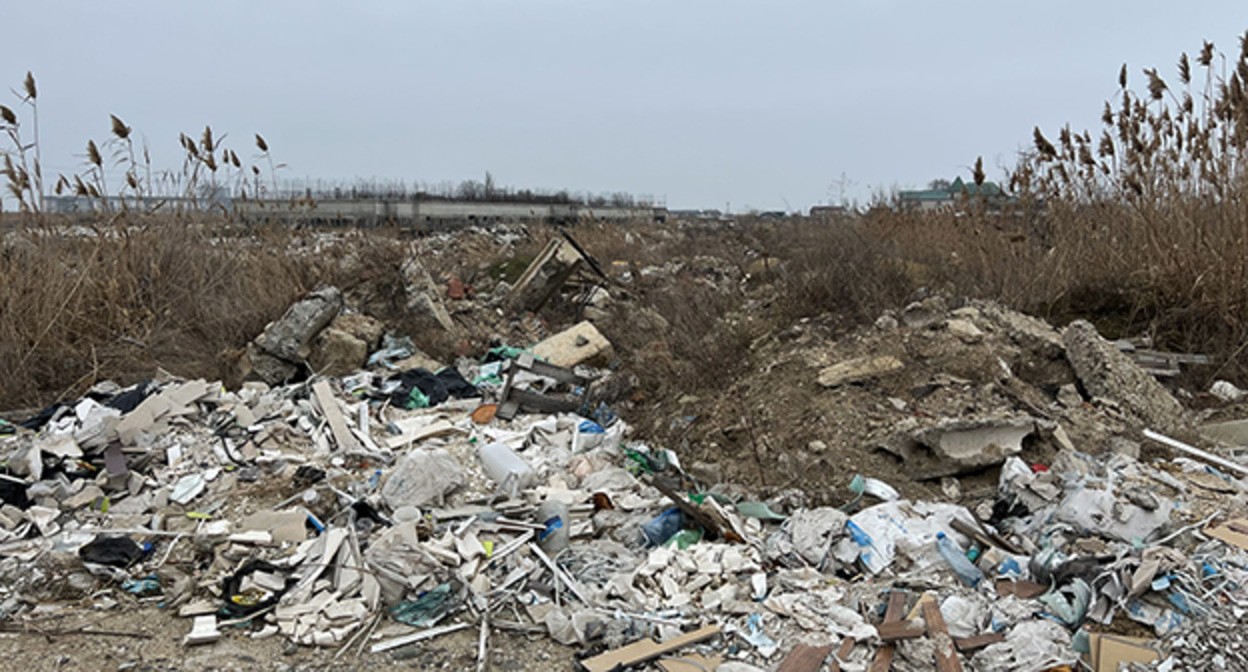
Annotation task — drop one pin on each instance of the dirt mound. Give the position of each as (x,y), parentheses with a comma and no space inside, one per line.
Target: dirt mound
(898,399)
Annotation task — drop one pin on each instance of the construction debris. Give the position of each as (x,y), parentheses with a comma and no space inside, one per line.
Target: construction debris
(379,507)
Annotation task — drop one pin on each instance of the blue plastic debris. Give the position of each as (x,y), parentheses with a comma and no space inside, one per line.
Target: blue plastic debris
(148,585)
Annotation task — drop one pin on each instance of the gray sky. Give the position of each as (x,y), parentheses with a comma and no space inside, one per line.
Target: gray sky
(703,102)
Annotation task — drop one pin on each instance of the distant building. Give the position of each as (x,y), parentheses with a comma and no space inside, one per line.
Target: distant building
(953,196)
(828,211)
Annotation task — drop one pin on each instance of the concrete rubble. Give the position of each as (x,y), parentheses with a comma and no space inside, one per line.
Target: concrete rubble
(368,509)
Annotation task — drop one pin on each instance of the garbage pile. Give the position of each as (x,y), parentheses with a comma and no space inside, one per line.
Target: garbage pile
(393,504)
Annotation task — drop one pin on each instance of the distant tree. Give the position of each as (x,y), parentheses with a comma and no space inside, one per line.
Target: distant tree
(939,183)
(470,190)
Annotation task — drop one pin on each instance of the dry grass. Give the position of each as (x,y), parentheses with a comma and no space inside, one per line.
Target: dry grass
(122,301)
(1142,227)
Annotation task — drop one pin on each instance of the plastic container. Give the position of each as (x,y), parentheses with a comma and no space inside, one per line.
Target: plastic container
(953,554)
(554,515)
(506,468)
(660,529)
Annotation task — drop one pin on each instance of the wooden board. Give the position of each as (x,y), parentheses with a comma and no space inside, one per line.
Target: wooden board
(847,646)
(1024,589)
(805,658)
(967,644)
(891,632)
(946,657)
(645,651)
(883,660)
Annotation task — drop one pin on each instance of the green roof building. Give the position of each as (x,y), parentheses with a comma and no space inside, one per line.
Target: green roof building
(953,196)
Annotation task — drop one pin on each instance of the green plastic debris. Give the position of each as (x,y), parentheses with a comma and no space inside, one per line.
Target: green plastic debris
(417,399)
(758,510)
(697,498)
(638,463)
(858,485)
(506,352)
(684,539)
(425,610)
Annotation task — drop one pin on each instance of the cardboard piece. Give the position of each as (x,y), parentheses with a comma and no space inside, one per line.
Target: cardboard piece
(1233,532)
(645,651)
(283,526)
(1110,651)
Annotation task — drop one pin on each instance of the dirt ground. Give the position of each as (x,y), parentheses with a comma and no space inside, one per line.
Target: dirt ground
(150,640)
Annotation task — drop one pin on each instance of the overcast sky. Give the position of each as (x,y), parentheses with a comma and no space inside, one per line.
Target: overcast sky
(761,104)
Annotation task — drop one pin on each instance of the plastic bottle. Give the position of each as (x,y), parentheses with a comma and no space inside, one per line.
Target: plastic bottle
(662,527)
(966,570)
(506,468)
(553,514)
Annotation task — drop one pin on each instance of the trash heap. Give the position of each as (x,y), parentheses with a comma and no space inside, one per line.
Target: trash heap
(395,504)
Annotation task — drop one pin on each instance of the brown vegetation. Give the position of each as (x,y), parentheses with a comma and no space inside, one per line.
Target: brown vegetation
(1143,230)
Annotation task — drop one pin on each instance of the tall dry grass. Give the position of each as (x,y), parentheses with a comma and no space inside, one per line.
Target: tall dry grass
(122,301)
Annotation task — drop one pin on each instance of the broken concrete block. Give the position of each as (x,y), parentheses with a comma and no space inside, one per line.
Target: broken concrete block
(337,353)
(924,313)
(857,370)
(1106,372)
(85,497)
(290,336)
(421,478)
(1031,333)
(427,307)
(363,327)
(959,446)
(261,365)
(579,344)
(60,446)
(965,330)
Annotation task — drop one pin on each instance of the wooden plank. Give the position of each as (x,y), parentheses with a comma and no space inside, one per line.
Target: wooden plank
(946,656)
(847,646)
(645,650)
(984,537)
(891,632)
(896,606)
(805,658)
(883,660)
(1026,590)
(968,644)
(333,415)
